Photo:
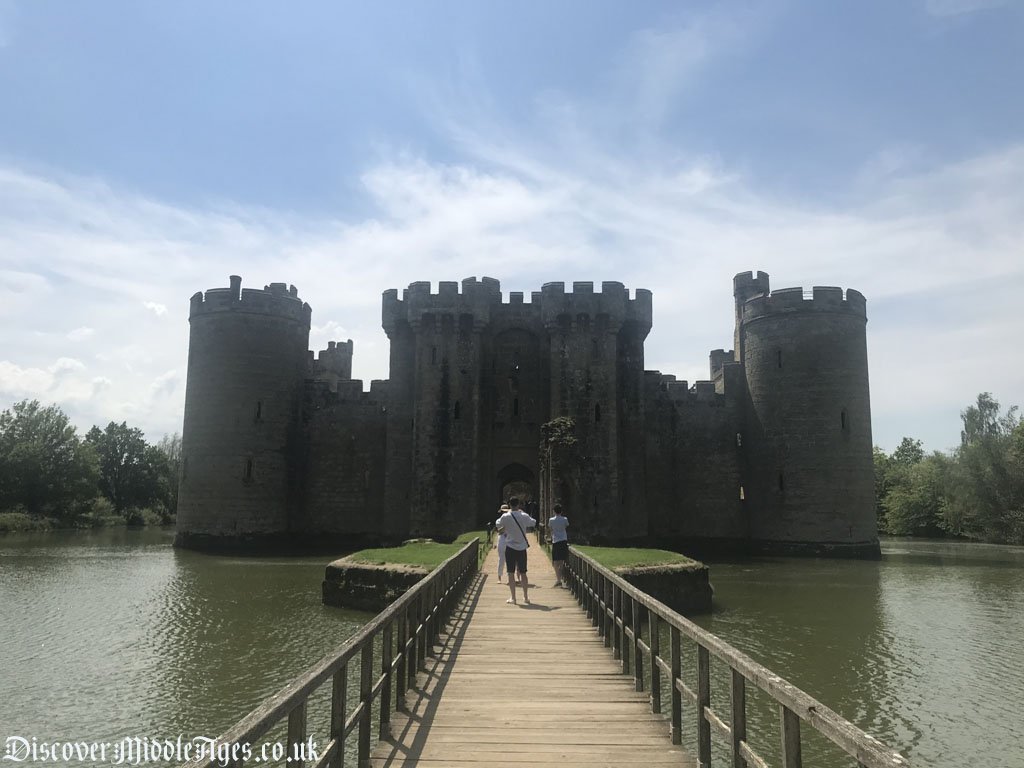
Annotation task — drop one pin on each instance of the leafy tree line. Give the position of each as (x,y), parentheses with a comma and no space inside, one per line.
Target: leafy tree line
(47,471)
(975,491)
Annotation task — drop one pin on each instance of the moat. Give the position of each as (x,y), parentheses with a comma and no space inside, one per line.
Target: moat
(114,634)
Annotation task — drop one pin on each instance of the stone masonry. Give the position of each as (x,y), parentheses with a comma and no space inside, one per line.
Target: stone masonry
(772,453)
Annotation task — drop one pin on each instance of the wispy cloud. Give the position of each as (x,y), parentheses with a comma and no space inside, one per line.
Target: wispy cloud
(578,191)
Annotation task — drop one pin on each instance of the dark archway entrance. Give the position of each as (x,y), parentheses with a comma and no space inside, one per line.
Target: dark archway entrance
(514,480)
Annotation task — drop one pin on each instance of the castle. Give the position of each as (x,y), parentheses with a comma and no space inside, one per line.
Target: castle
(548,398)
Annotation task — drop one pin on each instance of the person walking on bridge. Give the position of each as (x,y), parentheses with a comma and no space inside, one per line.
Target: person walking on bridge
(515,523)
(557,526)
(501,540)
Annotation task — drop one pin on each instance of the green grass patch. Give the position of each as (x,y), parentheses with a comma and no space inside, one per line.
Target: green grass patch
(426,554)
(629,557)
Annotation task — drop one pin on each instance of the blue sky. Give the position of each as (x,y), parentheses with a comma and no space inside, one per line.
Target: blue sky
(148,150)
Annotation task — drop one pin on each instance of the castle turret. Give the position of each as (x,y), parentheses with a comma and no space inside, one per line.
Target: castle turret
(596,378)
(434,408)
(807,430)
(246,365)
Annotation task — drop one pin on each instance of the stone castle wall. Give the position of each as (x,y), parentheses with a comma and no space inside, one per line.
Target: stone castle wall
(773,451)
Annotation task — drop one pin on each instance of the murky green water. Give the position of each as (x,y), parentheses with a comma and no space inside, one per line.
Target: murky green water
(114,634)
(924,650)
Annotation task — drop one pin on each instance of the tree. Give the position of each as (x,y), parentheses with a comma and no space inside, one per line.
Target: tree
(170,447)
(985,498)
(915,499)
(883,466)
(130,469)
(908,452)
(44,466)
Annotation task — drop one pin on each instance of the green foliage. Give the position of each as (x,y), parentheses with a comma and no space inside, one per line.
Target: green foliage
(977,491)
(132,473)
(11,522)
(908,453)
(44,466)
(915,500)
(170,447)
(986,488)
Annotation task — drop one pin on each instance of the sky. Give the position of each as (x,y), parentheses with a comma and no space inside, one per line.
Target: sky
(150,150)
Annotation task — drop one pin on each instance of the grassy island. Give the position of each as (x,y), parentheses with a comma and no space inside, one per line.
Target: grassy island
(618,558)
(422,553)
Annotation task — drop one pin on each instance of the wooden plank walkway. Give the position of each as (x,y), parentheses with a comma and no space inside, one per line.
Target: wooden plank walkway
(518,686)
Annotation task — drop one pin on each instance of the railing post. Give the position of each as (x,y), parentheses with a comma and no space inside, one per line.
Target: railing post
(677,696)
(608,611)
(739,717)
(402,672)
(703,701)
(655,629)
(365,685)
(638,657)
(624,641)
(339,688)
(421,654)
(414,641)
(616,637)
(296,735)
(385,692)
(791,756)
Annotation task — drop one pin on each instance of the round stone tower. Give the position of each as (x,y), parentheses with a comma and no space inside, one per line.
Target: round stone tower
(809,477)
(247,362)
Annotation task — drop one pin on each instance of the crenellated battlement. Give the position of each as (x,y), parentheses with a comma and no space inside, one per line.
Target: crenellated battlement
(680,392)
(322,394)
(475,299)
(796,300)
(275,299)
(612,301)
(334,362)
(482,298)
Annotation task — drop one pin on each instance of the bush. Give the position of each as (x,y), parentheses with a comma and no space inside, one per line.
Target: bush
(100,514)
(22,521)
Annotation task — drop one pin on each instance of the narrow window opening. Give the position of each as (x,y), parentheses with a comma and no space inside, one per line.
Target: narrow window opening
(456,411)
(739,440)
(515,407)
(842,420)
(433,355)
(248,470)
(597,412)
(742,496)
(259,410)
(780,358)
(782,484)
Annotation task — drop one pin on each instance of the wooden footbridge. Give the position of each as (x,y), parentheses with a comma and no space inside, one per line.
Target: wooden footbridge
(452,675)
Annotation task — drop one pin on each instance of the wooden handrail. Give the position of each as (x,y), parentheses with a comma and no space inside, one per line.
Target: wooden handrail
(615,607)
(418,615)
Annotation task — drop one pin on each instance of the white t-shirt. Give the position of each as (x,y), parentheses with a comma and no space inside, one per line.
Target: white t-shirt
(501,533)
(512,522)
(557,526)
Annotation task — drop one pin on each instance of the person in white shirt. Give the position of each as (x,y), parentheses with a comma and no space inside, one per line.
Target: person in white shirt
(501,540)
(557,526)
(515,524)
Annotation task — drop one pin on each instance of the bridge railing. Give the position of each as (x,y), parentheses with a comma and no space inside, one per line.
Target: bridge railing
(405,633)
(620,611)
